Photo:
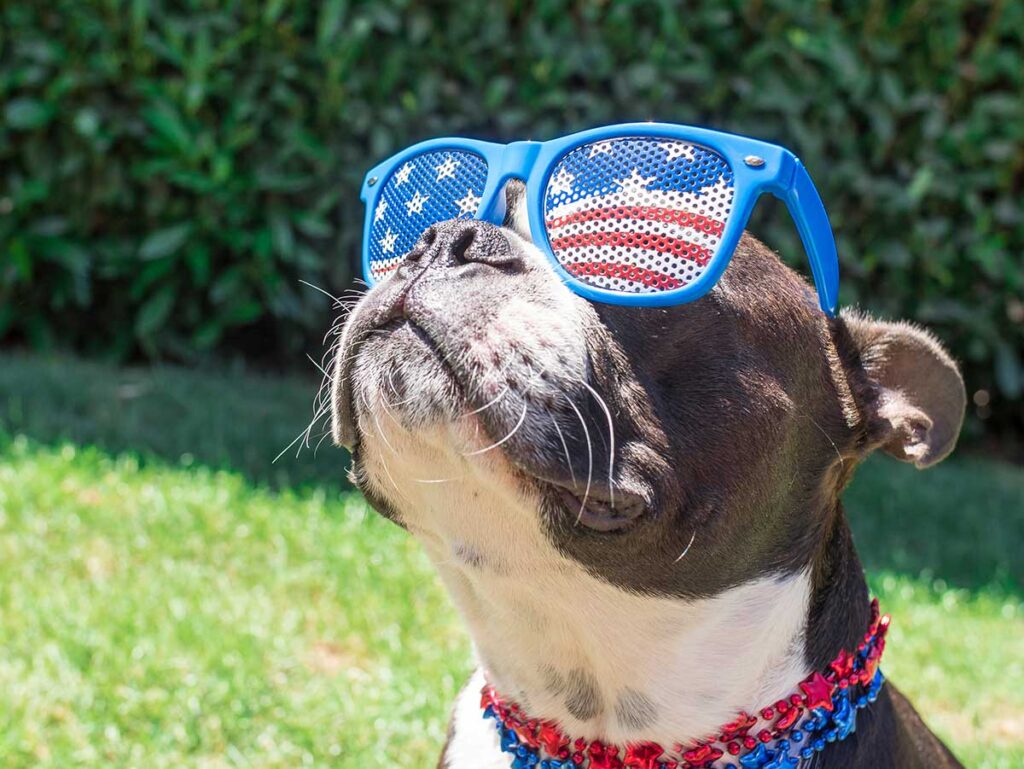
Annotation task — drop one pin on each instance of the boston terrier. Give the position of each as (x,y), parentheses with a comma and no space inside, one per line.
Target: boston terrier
(637,510)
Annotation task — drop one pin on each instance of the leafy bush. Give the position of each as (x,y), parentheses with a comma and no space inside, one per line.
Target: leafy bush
(168,176)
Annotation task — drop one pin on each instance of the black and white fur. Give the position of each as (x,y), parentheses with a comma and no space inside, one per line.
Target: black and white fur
(635,510)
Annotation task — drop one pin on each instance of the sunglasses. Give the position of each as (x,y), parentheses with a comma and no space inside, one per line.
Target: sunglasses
(643,214)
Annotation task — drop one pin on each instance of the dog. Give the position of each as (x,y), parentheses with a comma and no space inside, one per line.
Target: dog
(637,510)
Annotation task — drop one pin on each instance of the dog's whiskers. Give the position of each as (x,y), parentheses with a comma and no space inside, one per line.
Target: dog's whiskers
(590,457)
(522,418)
(611,439)
(489,403)
(565,448)
(828,437)
(687,548)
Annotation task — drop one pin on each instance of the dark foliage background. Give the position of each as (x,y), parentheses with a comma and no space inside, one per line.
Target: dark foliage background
(169,171)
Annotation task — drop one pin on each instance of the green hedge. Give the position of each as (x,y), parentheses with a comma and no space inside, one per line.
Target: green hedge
(170,171)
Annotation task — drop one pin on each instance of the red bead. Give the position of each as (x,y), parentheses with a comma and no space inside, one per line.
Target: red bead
(702,754)
(603,757)
(786,720)
(733,748)
(764,735)
(644,755)
(782,706)
(818,692)
(796,699)
(767,714)
(739,726)
(749,742)
(552,739)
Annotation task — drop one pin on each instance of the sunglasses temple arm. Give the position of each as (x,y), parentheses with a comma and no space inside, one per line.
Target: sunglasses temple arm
(805,206)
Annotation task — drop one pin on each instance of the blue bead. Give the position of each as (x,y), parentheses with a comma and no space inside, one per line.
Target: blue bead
(781,760)
(831,735)
(819,745)
(806,753)
(797,735)
(845,718)
(509,740)
(755,759)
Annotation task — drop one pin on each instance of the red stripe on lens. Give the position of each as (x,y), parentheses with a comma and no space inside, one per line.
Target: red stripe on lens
(663,244)
(650,278)
(698,222)
(378,270)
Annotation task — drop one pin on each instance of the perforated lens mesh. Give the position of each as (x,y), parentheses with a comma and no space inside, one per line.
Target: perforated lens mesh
(638,214)
(429,188)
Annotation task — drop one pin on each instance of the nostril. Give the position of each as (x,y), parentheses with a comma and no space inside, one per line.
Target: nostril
(462,243)
(423,245)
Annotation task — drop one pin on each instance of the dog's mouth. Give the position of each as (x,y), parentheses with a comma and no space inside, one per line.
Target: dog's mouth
(548,439)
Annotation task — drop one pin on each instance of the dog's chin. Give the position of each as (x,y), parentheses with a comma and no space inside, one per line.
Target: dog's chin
(399,371)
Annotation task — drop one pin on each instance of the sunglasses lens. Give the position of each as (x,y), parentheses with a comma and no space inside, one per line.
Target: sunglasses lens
(426,189)
(638,214)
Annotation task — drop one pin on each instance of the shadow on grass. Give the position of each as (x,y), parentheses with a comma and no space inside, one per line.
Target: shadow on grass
(230,419)
(961,522)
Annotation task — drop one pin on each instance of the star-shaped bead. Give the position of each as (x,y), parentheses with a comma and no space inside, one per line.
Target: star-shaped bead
(468,204)
(644,755)
(635,182)
(379,212)
(675,150)
(842,664)
(402,175)
(561,183)
(781,760)
(447,168)
(415,204)
(387,243)
(818,692)
(552,738)
(755,759)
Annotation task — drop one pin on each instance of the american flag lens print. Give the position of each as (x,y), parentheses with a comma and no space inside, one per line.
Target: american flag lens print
(638,214)
(426,189)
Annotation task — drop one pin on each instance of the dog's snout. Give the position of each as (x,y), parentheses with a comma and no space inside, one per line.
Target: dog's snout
(460,242)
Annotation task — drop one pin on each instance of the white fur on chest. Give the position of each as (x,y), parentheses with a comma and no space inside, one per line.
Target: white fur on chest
(604,662)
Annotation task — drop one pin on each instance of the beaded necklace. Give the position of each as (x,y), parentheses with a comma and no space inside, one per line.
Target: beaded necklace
(822,710)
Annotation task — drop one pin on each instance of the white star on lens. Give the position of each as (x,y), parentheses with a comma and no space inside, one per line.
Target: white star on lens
(678,150)
(561,182)
(634,182)
(387,243)
(468,204)
(447,168)
(378,214)
(402,175)
(600,147)
(415,204)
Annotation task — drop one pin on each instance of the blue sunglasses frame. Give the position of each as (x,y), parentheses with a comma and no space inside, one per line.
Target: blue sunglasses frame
(758,167)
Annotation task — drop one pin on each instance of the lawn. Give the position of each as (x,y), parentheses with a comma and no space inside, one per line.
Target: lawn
(170,598)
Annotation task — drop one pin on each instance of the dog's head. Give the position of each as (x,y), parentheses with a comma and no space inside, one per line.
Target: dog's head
(724,428)
(590,479)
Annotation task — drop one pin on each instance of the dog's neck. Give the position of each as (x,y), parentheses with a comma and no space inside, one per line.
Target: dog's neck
(601,661)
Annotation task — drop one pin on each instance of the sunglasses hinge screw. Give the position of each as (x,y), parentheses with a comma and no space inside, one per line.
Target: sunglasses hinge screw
(754,161)
(371,181)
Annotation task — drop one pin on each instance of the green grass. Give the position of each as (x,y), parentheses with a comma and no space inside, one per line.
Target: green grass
(169,599)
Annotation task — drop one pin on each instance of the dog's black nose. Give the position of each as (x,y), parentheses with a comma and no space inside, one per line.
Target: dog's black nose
(460,242)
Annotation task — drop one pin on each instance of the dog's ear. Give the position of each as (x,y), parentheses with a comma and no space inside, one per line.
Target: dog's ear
(907,387)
